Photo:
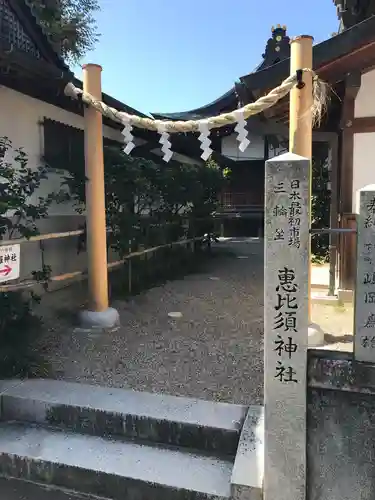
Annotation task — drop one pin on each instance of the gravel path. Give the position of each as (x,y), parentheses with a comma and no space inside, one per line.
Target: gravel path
(214,351)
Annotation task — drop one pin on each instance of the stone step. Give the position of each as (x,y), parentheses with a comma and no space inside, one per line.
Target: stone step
(248,469)
(15,489)
(102,411)
(110,468)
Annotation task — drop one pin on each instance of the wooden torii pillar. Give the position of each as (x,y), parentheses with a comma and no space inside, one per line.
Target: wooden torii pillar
(300,133)
(98,314)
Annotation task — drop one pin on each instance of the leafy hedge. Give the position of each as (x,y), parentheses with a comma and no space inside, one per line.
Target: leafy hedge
(148,204)
(20,327)
(152,269)
(170,195)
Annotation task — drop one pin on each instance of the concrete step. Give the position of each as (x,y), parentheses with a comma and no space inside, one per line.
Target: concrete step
(247,474)
(110,468)
(15,489)
(102,411)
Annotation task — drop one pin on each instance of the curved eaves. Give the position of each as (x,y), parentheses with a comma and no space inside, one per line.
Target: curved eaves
(277,48)
(226,101)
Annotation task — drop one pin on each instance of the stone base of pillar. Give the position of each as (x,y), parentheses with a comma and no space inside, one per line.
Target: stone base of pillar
(325,299)
(345,296)
(315,335)
(109,318)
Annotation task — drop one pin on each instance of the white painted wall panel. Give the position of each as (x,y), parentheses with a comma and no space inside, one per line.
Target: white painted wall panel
(365,100)
(363,163)
(21,118)
(255,151)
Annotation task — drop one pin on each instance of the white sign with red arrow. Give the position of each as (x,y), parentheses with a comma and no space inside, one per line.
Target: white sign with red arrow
(9,263)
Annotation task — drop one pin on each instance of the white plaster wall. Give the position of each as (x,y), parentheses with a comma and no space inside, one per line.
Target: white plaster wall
(363,163)
(364,143)
(21,121)
(21,118)
(255,150)
(365,100)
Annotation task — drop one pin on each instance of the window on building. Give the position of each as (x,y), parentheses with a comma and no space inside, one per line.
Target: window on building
(64,146)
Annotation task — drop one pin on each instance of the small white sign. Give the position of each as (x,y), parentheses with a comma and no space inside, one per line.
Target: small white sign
(9,263)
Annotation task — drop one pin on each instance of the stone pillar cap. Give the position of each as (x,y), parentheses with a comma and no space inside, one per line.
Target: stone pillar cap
(369,187)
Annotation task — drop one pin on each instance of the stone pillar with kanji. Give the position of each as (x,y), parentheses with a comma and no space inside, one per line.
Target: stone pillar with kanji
(364,310)
(286,325)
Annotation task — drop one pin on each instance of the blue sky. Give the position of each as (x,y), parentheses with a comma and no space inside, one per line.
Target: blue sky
(175,55)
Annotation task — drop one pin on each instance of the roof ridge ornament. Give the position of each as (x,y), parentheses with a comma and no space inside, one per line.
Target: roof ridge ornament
(277,47)
(278,27)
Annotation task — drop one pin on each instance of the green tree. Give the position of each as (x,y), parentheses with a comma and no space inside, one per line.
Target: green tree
(20,209)
(18,187)
(168,194)
(70,24)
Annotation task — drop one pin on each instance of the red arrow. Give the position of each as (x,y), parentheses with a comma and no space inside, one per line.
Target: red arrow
(6,270)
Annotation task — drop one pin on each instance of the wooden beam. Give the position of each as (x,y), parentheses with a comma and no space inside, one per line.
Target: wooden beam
(357,61)
(352,85)
(345,180)
(365,124)
(320,136)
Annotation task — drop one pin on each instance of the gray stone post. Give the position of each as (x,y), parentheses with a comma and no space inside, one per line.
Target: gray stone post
(364,311)
(286,325)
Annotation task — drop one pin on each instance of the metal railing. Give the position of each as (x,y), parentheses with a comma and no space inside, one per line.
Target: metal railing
(331,230)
